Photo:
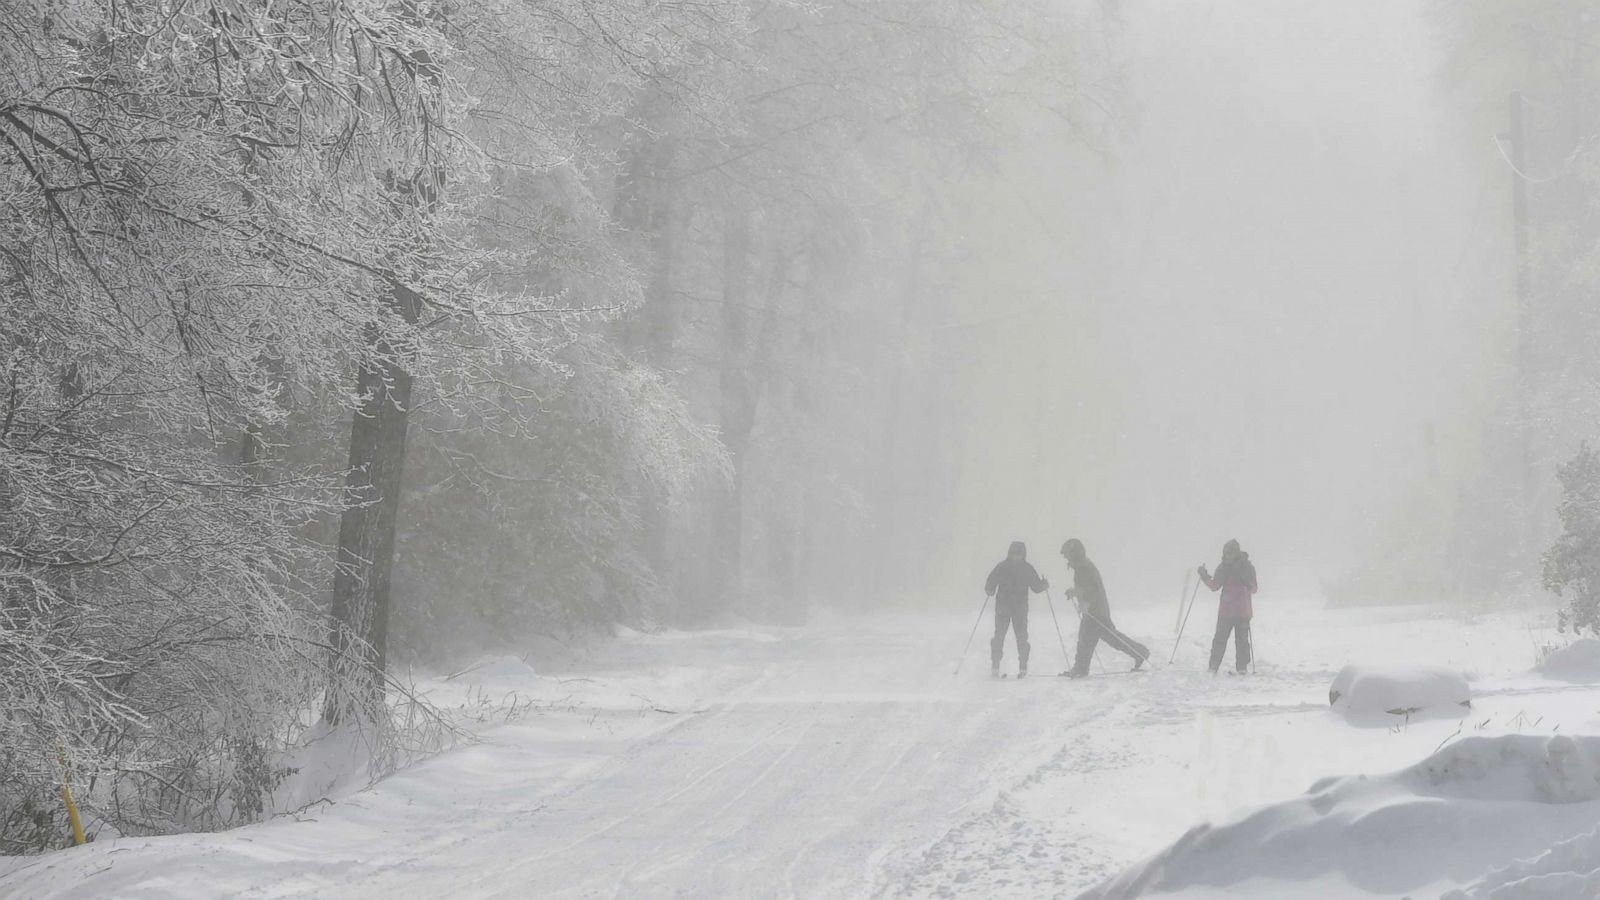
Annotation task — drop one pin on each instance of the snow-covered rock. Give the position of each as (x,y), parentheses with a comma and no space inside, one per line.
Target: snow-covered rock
(1476,804)
(1389,694)
(1577,662)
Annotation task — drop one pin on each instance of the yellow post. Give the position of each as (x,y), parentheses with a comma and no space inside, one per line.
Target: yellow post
(72,806)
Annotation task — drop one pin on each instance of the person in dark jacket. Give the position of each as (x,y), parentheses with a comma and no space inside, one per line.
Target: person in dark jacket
(1236,579)
(1009,584)
(1094,624)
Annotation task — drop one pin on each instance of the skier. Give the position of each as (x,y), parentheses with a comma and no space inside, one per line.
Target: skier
(1009,584)
(1236,579)
(1089,592)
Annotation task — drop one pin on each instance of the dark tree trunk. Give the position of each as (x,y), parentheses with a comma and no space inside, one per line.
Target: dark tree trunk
(738,398)
(783,545)
(645,206)
(892,521)
(661,308)
(747,360)
(360,607)
(781,533)
(661,329)
(804,553)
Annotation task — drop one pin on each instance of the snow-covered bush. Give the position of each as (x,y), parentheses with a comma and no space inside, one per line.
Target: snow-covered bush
(1578,661)
(1572,566)
(153,637)
(1389,694)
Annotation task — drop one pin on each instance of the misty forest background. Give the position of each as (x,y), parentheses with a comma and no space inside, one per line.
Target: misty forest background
(343,338)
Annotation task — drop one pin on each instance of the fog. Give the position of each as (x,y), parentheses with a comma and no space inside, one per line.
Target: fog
(557,449)
(1243,318)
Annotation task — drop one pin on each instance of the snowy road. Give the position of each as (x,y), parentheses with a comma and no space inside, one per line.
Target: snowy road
(830,774)
(843,760)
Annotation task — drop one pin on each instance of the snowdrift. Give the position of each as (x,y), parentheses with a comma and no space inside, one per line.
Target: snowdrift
(1463,816)
(1368,695)
(1569,869)
(1578,662)
(498,671)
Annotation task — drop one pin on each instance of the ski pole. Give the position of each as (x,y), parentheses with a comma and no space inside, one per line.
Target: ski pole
(974,633)
(1185,623)
(1059,639)
(1115,637)
(1250,631)
(1178,625)
(1109,636)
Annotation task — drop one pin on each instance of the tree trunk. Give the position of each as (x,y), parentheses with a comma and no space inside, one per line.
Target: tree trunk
(661,329)
(661,317)
(360,607)
(738,399)
(645,207)
(892,519)
(804,552)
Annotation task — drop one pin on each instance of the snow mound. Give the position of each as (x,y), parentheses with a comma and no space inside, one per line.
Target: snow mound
(1577,662)
(1571,868)
(1511,768)
(1450,820)
(1386,694)
(333,762)
(499,671)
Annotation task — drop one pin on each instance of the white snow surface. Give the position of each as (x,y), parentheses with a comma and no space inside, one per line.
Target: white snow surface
(845,760)
(1389,694)
(1570,869)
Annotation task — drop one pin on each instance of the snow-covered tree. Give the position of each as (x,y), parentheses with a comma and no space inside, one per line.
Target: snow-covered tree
(215,217)
(1572,565)
(851,126)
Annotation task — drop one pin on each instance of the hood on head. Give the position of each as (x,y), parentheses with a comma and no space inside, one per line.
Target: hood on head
(1018,550)
(1073,551)
(1230,548)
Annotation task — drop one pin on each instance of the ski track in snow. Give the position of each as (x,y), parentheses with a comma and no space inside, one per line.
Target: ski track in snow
(841,761)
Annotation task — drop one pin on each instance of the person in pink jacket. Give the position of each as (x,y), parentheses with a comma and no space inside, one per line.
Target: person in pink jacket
(1236,579)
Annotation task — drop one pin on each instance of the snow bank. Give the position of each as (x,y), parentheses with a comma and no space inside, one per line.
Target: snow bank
(1480,803)
(333,762)
(1578,662)
(498,670)
(1386,694)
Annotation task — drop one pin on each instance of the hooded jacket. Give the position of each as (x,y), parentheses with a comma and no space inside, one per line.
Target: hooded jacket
(1011,580)
(1091,590)
(1236,579)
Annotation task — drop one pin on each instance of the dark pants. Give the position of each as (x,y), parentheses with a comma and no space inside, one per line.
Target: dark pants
(1091,630)
(1014,615)
(1239,627)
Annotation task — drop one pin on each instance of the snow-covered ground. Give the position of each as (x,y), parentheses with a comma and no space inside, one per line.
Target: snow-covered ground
(845,760)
